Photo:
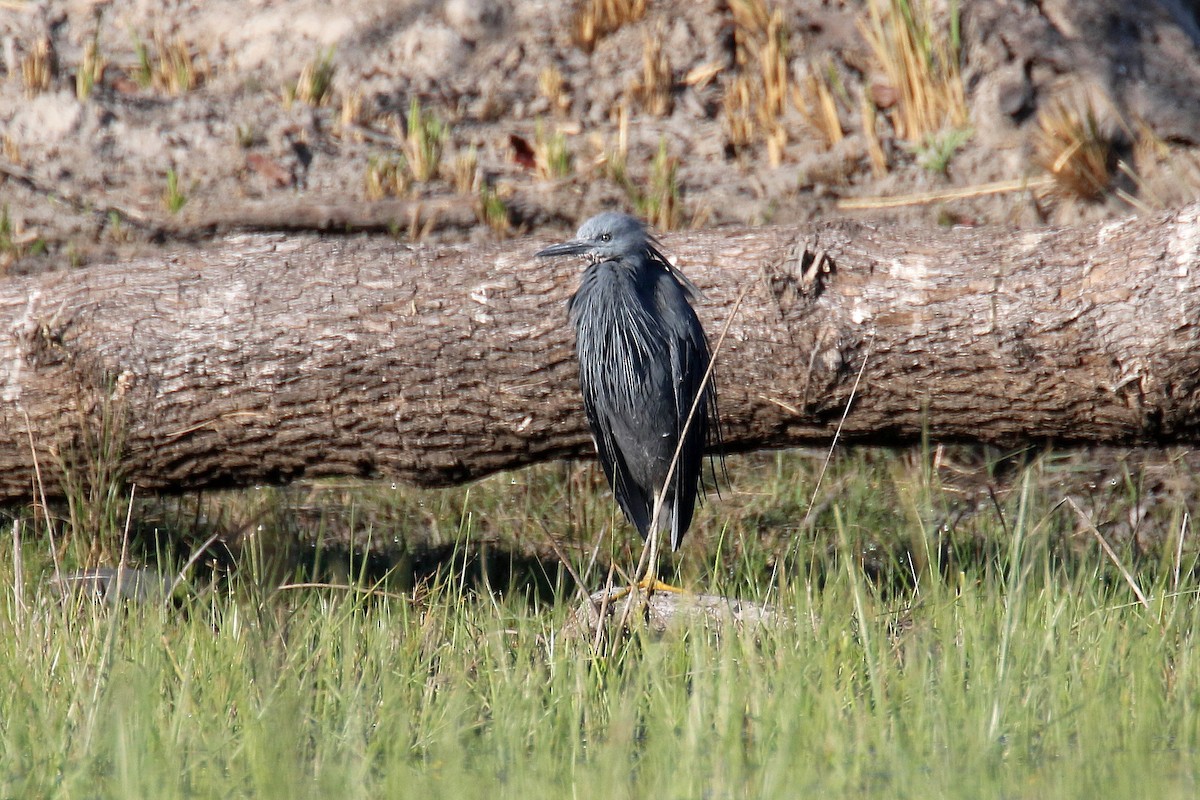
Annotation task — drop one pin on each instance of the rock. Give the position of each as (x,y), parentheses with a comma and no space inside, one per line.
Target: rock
(474,19)
(110,584)
(609,612)
(429,49)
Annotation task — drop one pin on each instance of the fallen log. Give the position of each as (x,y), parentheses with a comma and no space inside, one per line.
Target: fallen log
(265,358)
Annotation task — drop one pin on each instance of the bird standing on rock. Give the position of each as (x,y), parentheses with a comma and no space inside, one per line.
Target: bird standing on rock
(643,363)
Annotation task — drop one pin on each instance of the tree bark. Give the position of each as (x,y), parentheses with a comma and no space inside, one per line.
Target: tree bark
(266,358)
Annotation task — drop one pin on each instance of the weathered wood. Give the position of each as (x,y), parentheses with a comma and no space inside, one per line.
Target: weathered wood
(267,358)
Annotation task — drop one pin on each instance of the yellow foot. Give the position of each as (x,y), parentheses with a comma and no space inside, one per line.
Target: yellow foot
(652,585)
(647,585)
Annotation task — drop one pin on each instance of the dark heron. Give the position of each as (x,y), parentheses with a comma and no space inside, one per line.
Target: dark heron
(642,364)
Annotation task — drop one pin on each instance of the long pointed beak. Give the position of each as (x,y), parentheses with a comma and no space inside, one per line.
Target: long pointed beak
(575,247)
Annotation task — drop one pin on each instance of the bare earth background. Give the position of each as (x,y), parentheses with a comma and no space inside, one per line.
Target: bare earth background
(84,180)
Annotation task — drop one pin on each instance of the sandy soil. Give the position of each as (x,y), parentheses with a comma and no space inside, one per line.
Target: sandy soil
(85,180)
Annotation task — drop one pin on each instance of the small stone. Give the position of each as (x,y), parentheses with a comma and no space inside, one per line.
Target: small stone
(883,94)
(474,19)
(431,49)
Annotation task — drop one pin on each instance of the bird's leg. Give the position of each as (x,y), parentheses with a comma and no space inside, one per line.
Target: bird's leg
(646,575)
(650,582)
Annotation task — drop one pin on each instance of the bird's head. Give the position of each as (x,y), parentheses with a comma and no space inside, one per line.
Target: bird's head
(613,236)
(606,237)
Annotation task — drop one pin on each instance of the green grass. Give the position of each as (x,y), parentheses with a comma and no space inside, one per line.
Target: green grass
(174,197)
(7,244)
(552,156)
(999,656)
(660,200)
(424,140)
(937,150)
(14,245)
(493,210)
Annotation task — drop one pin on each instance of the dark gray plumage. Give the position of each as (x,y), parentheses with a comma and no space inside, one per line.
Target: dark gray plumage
(642,360)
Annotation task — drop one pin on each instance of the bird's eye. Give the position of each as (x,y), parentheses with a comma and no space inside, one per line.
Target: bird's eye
(606,237)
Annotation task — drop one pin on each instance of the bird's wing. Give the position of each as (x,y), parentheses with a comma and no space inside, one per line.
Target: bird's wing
(688,366)
(632,497)
(612,367)
(654,252)
(689,363)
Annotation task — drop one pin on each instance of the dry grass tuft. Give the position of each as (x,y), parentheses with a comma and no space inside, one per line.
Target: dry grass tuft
(595,19)
(552,87)
(920,61)
(613,163)
(38,68)
(493,211)
(387,176)
(755,101)
(870,122)
(90,71)
(737,113)
(315,85)
(773,56)
(351,116)
(464,173)
(662,204)
(816,102)
(171,68)
(10,149)
(1070,145)
(1154,160)
(426,137)
(659,197)
(653,90)
(174,197)
(750,17)
(551,157)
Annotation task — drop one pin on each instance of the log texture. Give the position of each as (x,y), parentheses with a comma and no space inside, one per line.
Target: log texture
(267,357)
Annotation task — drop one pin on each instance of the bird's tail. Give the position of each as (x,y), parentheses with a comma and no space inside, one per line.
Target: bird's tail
(668,520)
(676,528)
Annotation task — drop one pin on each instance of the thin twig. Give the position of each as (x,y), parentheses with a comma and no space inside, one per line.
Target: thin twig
(562,558)
(18,574)
(1112,555)
(192,559)
(124,544)
(603,607)
(966,192)
(828,456)
(595,553)
(1183,526)
(841,422)
(41,490)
